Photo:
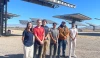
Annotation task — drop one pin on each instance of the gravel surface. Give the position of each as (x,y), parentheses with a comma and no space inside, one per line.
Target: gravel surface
(87,47)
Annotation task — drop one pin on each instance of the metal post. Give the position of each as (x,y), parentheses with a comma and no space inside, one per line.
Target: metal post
(93,28)
(73,21)
(6,18)
(76,26)
(1,18)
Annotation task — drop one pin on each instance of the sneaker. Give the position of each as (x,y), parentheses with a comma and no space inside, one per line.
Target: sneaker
(64,56)
(58,56)
(75,56)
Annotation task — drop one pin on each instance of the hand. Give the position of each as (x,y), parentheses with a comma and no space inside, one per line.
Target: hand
(45,38)
(65,37)
(72,38)
(55,41)
(41,42)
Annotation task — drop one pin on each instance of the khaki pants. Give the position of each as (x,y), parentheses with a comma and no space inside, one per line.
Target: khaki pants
(46,43)
(28,52)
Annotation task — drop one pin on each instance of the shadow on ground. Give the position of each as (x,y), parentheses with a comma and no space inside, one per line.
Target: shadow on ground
(12,56)
(21,56)
(90,34)
(12,35)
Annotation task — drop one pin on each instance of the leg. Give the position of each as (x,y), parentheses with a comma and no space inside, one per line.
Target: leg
(73,47)
(59,47)
(45,47)
(31,51)
(51,50)
(55,50)
(35,50)
(40,51)
(26,52)
(70,46)
(64,47)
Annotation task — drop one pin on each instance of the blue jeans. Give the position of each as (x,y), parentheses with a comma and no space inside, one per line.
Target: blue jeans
(62,43)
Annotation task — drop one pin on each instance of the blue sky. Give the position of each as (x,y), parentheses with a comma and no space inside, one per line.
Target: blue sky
(27,10)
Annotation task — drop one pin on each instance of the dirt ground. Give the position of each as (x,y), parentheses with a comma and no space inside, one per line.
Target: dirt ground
(88,46)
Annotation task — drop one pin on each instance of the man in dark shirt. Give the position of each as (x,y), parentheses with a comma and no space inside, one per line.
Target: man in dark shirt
(46,28)
(39,33)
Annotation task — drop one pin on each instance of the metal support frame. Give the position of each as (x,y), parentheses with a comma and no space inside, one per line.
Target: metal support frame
(1,18)
(93,28)
(6,18)
(3,6)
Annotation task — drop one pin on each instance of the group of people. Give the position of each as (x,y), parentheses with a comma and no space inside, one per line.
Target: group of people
(37,39)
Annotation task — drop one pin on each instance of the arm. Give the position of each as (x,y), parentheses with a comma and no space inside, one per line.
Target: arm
(70,35)
(23,36)
(48,33)
(43,35)
(76,33)
(35,34)
(67,35)
(60,33)
(51,36)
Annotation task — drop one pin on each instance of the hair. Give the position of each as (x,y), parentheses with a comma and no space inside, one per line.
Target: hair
(73,24)
(54,23)
(44,20)
(38,20)
(27,26)
(63,22)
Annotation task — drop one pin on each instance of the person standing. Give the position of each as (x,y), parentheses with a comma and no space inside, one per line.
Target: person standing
(72,41)
(62,41)
(46,39)
(54,35)
(27,39)
(39,33)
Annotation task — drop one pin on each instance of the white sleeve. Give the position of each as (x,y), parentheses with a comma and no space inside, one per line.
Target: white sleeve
(76,30)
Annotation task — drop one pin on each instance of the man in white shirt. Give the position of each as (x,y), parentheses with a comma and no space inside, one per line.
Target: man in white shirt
(72,41)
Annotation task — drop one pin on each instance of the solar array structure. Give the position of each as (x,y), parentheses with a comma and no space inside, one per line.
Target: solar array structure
(4,16)
(73,17)
(33,20)
(93,25)
(48,21)
(97,18)
(77,23)
(3,10)
(51,3)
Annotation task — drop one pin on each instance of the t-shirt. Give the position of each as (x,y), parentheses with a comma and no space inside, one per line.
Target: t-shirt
(46,28)
(28,38)
(39,32)
(73,32)
(55,33)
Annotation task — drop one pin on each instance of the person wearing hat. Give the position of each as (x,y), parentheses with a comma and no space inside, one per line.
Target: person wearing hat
(62,41)
(54,35)
(46,39)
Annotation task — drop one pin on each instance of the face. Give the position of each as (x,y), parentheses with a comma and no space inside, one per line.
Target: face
(44,22)
(54,25)
(30,25)
(39,22)
(63,24)
(73,25)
